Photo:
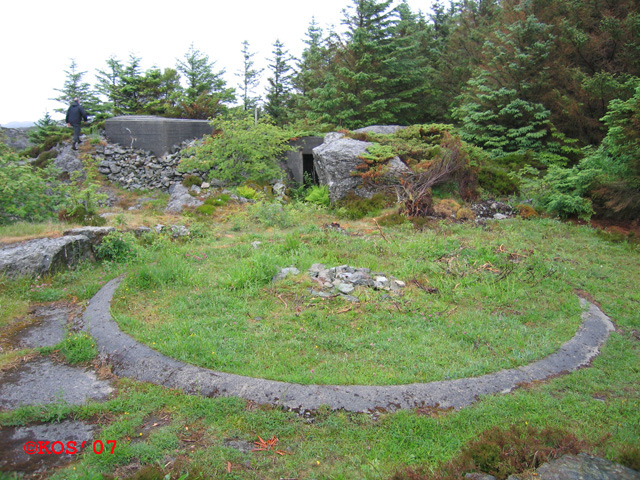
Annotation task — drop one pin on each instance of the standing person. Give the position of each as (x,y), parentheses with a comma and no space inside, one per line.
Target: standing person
(75,115)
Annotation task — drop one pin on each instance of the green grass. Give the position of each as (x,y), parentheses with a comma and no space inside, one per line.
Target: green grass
(505,297)
(522,305)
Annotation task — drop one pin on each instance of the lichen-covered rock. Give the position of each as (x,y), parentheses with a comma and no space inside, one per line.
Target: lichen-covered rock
(43,255)
(380,129)
(585,467)
(336,161)
(180,198)
(94,234)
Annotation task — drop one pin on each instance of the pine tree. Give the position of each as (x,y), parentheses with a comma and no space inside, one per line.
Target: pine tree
(279,90)
(250,79)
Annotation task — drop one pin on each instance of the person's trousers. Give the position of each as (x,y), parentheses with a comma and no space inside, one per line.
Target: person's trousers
(76,134)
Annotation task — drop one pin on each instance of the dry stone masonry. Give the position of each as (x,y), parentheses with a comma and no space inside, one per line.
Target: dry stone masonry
(137,169)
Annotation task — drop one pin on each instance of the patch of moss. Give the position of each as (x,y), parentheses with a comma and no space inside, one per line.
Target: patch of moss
(465,213)
(355,207)
(527,211)
(191,180)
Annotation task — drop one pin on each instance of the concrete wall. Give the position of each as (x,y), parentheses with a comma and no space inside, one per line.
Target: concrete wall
(156,134)
(294,160)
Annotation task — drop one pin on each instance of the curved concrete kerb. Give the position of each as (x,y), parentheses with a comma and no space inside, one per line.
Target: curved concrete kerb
(132,359)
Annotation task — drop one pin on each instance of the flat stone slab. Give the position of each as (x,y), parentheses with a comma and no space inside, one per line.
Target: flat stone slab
(15,440)
(49,329)
(132,359)
(42,381)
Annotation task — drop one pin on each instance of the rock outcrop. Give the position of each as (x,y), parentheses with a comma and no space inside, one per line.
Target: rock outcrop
(15,138)
(180,198)
(43,255)
(336,161)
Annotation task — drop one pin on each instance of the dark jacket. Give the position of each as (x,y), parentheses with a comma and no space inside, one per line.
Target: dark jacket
(76,114)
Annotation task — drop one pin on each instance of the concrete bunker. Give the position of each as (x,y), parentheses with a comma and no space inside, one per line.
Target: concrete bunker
(300,162)
(155,134)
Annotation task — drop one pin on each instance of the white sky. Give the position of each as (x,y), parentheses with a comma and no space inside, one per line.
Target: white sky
(38,39)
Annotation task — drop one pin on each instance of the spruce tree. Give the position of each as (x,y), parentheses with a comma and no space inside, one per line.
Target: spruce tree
(250,79)
(74,87)
(202,78)
(279,90)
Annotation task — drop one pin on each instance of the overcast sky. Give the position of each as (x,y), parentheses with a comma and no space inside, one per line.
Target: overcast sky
(38,39)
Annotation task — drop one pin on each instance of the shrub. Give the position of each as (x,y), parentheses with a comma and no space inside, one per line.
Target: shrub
(26,192)
(318,195)
(497,181)
(206,209)
(502,453)
(117,247)
(191,180)
(240,149)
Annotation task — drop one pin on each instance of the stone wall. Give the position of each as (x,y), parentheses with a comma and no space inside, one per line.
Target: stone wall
(155,134)
(136,169)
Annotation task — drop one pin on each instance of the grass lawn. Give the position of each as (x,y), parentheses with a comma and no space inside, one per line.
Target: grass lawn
(478,299)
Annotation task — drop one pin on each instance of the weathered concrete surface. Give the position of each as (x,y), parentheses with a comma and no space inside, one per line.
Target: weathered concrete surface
(156,134)
(132,359)
(43,255)
(294,159)
(42,381)
(49,328)
(14,439)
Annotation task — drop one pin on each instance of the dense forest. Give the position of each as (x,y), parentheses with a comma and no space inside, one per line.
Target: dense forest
(548,89)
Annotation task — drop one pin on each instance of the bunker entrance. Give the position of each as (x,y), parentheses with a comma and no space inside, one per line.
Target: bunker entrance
(309,170)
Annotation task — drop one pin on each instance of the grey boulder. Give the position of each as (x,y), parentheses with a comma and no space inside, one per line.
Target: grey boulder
(43,255)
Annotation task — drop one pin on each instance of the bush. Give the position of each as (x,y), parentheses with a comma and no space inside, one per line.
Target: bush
(497,181)
(502,453)
(117,247)
(26,192)
(206,209)
(240,149)
(527,211)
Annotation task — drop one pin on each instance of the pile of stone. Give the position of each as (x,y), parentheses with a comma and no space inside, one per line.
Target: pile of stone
(344,279)
(136,169)
(493,210)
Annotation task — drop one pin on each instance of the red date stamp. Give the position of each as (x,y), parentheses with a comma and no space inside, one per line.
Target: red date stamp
(43,447)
